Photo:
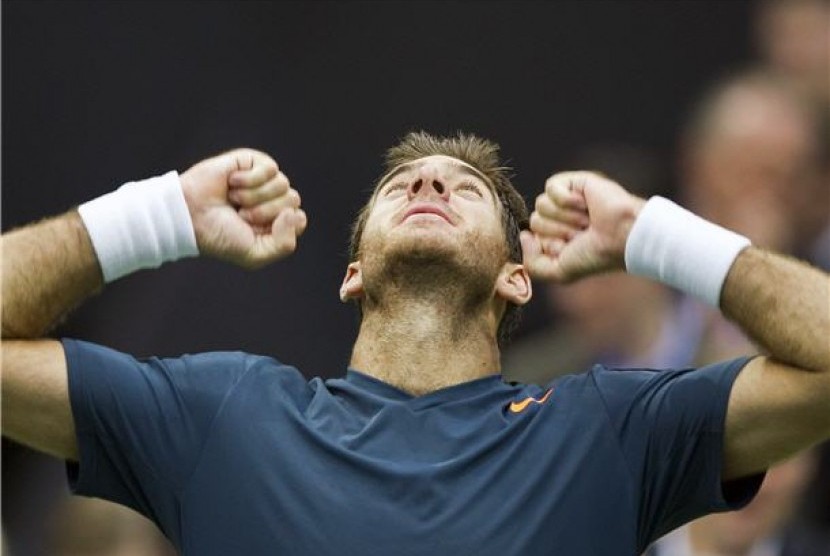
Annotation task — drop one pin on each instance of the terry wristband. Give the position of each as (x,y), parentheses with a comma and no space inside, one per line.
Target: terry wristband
(680,249)
(140,225)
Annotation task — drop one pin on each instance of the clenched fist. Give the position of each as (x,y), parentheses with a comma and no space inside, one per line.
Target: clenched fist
(579,227)
(243,208)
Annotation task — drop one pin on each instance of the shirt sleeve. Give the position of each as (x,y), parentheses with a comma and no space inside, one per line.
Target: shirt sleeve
(141,424)
(670,426)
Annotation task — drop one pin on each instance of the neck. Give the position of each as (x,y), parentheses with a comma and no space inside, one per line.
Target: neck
(421,345)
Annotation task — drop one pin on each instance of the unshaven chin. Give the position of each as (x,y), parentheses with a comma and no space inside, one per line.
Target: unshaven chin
(425,269)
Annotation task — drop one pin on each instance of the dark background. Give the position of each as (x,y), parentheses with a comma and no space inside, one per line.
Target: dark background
(98,93)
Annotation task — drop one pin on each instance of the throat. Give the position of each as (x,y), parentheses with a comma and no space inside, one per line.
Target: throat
(423,345)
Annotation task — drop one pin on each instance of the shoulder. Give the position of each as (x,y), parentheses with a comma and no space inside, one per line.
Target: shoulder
(223,369)
(653,391)
(610,379)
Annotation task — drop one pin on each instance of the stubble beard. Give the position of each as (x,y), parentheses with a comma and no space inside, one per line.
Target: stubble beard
(429,269)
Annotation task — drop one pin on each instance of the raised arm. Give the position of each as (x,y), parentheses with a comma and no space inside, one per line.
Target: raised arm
(236,206)
(780,403)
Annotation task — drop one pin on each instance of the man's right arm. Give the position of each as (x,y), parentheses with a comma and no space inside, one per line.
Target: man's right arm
(242,209)
(48,269)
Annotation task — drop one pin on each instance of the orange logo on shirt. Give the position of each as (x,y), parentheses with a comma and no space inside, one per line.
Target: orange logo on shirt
(518,407)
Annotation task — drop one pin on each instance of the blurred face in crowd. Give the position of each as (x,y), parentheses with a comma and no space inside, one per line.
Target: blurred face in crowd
(754,168)
(793,36)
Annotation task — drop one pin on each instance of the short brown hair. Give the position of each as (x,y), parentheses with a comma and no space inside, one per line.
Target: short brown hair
(483,155)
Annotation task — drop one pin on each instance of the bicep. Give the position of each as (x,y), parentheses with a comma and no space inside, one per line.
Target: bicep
(774,411)
(36,407)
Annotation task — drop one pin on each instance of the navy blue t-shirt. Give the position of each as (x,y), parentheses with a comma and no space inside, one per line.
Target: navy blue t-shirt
(237,454)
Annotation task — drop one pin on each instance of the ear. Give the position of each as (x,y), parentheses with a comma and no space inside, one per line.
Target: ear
(352,286)
(513,284)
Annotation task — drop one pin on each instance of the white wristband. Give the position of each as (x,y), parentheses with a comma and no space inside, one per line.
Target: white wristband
(680,249)
(140,225)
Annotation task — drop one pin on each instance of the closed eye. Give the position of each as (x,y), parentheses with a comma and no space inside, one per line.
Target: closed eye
(396,186)
(470,186)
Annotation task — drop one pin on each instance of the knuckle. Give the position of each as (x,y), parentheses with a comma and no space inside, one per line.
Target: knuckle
(255,214)
(287,243)
(282,183)
(251,198)
(241,197)
(550,184)
(272,167)
(294,198)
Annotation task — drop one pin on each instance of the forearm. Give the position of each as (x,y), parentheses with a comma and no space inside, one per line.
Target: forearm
(36,407)
(783,304)
(49,268)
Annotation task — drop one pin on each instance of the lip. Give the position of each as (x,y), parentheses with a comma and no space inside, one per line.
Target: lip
(426,208)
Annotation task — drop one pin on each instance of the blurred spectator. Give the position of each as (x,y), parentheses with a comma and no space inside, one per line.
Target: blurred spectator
(766,527)
(793,38)
(750,161)
(91,527)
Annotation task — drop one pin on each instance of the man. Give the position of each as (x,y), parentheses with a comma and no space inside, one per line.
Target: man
(421,448)
(751,161)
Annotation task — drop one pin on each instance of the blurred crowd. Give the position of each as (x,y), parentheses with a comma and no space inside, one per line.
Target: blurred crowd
(753,156)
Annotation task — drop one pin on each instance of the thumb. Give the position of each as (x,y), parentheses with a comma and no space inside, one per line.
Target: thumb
(541,256)
(283,231)
(531,246)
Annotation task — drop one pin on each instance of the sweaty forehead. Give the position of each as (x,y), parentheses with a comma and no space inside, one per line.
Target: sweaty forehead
(447,163)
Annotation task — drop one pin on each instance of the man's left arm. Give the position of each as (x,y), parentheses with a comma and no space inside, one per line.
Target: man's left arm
(780,403)
(585,223)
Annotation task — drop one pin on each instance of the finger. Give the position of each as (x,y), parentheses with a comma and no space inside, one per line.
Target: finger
(573,217)
(272,242)
(567,189)
(272,189)
(540,256)
(552,247)
(545,267)
(550,228)
(253,168)
(531,248)
(300,222)
(283,233)
(265,213)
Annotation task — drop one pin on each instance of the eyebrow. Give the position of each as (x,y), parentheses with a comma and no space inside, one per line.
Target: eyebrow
(456,165)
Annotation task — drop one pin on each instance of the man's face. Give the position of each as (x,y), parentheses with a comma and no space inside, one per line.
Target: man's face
(435,213)
(434,204)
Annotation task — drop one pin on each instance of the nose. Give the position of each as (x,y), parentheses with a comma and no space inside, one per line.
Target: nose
(427,184)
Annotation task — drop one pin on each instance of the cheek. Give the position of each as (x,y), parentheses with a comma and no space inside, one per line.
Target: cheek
(375,222)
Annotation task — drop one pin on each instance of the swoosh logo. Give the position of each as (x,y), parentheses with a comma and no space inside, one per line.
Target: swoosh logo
(518,407)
